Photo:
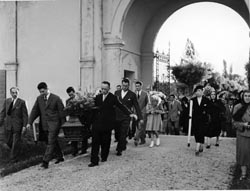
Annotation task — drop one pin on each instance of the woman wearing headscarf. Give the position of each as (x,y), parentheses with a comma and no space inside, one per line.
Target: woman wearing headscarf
(241,121)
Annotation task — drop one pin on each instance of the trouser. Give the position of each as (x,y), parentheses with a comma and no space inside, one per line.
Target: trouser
(52,147)
(173,127)
(132,129)
(122,127)
(141,130)
(100,139)
(14,142)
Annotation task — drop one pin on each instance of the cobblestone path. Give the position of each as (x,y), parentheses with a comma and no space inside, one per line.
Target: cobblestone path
(172,165)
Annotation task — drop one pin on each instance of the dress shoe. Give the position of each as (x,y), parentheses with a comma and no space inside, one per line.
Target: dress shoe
(208,146)
(197,153)
(104,160)
(216,144)
(115,141)
(92,165)
(136,143)
(59,160)
(45,165)
(119,153)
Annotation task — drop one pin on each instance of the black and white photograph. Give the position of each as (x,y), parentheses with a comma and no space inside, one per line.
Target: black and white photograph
(118,95)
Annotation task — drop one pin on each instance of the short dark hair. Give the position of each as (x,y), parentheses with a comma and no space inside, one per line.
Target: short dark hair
(138,82)
(106,82)
(119,85)
(172,95)
(125,80)
(70,89)
(42,85)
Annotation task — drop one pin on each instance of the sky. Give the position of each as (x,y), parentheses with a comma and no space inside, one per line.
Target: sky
(217,32)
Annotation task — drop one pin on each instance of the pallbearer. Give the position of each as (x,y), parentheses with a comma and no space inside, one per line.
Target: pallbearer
(199,118)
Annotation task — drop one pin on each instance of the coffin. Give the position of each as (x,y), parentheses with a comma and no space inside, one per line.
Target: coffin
(73,129)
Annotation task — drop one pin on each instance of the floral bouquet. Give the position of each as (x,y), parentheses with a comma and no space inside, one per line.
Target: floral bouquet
(79,104)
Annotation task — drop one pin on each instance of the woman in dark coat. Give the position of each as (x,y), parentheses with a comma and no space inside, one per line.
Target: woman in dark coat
(184,117)
(215,112)
(199,118)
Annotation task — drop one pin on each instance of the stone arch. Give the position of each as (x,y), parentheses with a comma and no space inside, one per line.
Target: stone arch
(141,20)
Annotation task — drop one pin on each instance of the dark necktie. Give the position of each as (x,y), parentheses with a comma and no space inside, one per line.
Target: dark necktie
(138,95)
(10,108)
(45,99)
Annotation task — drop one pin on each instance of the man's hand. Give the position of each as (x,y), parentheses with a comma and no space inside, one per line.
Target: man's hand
(28,126)
(24,130)
(133,116)
(141,121)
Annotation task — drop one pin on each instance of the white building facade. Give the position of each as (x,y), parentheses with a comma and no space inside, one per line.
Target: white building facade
(80,43)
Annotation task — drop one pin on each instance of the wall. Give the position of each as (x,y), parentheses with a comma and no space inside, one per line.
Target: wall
(48,46)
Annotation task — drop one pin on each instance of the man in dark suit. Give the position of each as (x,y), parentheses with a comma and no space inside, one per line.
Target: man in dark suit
(84,117)
(174,111)
(49,108)
(104,122)
(15,112)
(128,99)
(143,100)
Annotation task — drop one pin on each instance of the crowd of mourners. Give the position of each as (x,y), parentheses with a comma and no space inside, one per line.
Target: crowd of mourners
(130,115)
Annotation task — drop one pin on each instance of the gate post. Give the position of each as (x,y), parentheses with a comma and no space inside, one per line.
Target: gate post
(112,66)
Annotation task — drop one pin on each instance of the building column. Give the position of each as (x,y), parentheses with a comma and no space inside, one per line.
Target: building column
(11,46)
(87,45)
(147,68)
(112,66)
(11,75)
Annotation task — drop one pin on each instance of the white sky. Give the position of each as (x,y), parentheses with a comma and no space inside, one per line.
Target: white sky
(217,31)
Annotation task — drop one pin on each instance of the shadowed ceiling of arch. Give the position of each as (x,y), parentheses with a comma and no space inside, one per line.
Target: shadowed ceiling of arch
(157,11)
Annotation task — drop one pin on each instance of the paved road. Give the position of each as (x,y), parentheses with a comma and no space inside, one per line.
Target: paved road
(172,165)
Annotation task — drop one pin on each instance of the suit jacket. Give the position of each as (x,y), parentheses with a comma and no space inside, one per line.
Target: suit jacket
(143,101)
(130,101)
(18,117)
(200,114)
(51,114)
(105,115)
(229,113)
(174,110)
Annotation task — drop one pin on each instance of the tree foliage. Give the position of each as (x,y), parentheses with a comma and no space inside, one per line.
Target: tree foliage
(189,74)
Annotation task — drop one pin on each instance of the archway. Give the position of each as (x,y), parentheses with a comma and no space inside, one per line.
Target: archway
(142,22)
